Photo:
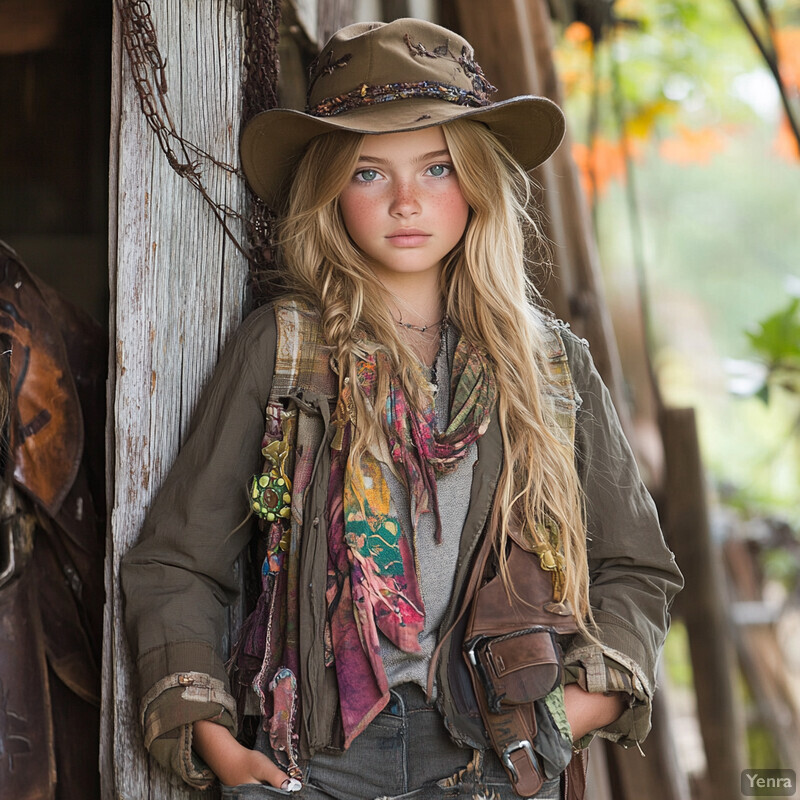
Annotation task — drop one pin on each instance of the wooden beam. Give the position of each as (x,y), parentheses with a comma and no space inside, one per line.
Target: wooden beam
(176,286)
(761,657)
(702,604)
(395,9)
(655,771)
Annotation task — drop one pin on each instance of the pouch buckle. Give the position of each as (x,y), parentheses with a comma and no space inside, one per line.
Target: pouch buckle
(513,747)
(510,673)
(471,646)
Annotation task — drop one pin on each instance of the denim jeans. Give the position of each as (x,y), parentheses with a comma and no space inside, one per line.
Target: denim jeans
(404,754)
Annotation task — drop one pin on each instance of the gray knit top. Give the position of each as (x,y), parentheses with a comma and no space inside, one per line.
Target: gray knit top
(436,562)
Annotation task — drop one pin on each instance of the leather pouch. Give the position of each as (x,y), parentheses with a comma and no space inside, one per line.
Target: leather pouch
(512,655)
(516,668)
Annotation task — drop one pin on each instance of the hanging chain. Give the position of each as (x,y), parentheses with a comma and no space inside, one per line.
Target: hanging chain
(148,67)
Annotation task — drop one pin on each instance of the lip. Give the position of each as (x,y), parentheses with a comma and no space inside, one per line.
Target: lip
(408,237)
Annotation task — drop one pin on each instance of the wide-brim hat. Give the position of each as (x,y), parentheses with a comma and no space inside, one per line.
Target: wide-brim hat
(375,77)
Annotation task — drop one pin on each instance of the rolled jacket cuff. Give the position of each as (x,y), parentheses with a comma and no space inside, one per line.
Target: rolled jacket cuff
(173,751)
(168,713)
(601,669)
(181,699)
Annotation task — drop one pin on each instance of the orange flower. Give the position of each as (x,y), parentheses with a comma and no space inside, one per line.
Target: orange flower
(600,165)
(692,146)
(578,33)
(787,44)
(785,144)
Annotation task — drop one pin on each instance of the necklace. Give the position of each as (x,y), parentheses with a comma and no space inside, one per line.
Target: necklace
(409,325)
(419,328)
(443,336)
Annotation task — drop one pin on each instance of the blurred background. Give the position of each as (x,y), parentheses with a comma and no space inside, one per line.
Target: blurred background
(685,118)
(690,164)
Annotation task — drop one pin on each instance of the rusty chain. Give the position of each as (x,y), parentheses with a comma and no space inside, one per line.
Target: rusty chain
(260,92)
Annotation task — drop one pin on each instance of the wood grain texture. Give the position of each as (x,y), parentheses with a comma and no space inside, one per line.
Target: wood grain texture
(332,15)
(176,294)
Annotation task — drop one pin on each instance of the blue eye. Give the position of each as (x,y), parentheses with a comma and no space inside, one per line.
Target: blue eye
(440,170)
(366,175)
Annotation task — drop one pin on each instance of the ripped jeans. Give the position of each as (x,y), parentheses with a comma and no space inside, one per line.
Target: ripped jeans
(405,753)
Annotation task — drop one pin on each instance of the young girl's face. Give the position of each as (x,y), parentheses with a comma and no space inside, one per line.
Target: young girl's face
(403,206)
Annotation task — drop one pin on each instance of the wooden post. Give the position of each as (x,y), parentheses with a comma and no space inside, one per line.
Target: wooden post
(395,9)
(176,293)
(333,14)
(761,658)
(658,771)
(702,604)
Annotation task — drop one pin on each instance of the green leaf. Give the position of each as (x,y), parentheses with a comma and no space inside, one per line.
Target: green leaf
(777,338)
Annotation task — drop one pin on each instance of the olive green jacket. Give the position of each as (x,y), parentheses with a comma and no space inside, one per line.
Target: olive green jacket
(180,577)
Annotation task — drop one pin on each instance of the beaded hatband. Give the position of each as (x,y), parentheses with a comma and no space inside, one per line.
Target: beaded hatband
(365,95)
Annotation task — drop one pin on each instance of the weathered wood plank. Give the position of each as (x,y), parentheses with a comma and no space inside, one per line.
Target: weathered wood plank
(762,661)
(176,293)
(106,756)
(332,15)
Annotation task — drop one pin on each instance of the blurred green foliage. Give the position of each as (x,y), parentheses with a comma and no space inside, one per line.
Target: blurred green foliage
(676,62)
(676,656)
(716,192)
(777,342)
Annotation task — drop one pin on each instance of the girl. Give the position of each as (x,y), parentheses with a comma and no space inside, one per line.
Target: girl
(427,427)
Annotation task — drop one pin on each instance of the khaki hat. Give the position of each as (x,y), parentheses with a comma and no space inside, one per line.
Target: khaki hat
(375,77)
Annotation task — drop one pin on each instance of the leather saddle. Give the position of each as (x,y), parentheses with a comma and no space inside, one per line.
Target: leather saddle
(52,380)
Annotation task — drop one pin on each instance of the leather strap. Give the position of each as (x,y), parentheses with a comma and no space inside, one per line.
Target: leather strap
(513,729)
(28,762)
(575,775)
(512,732)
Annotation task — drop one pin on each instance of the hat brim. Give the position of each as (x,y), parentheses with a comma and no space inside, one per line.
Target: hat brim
(530,127)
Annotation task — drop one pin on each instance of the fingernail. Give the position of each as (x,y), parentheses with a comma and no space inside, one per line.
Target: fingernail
(291,785)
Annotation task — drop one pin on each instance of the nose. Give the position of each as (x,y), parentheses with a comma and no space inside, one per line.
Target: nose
(405,200)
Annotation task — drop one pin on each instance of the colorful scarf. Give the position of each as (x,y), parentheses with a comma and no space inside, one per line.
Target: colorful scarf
(372,579)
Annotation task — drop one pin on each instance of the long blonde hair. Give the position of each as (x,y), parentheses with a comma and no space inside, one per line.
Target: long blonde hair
(488,297)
